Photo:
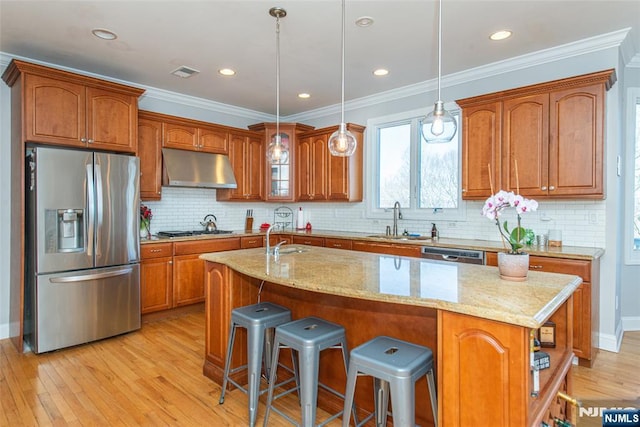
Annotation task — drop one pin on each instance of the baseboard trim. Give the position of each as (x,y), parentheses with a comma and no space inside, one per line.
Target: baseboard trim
(631,323)
(611,342)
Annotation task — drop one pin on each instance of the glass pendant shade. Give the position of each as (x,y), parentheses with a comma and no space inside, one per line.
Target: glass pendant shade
(342,143)
(439,125)
(277,152)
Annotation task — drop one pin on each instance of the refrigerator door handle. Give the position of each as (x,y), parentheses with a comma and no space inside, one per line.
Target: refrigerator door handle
(90,209)
(88,277)
(100,209)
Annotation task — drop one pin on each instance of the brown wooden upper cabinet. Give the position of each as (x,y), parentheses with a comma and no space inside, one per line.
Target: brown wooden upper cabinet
(321,176)
(544,140)
(150,153)
(246,153)
(279,179)
(69,109)
(195,136)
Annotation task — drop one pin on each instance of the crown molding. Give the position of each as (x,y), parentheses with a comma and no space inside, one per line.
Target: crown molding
(593,44)
(155,93)
(616,39)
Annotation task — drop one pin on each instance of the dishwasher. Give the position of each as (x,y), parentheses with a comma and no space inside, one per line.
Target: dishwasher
(467,256)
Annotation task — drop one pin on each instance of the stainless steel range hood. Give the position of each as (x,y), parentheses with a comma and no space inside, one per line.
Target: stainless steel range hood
(196,169)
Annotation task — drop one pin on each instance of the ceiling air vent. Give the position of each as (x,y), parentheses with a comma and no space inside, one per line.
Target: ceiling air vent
(184,72)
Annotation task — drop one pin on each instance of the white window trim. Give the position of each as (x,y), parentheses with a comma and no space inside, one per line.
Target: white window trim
(632,257)
(371,160)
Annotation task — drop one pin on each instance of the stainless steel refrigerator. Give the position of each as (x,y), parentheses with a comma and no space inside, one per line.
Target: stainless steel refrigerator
(82,247)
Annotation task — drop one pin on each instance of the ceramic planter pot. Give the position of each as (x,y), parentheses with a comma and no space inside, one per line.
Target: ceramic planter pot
(513,267)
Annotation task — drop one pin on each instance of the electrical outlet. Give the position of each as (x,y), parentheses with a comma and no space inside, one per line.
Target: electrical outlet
(593,218)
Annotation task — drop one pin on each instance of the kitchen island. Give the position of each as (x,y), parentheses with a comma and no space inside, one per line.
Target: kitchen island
(477,325)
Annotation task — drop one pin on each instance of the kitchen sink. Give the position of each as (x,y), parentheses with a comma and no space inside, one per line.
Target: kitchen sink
(384,236)
(292,250)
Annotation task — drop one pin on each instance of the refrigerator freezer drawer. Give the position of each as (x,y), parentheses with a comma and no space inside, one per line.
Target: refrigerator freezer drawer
(82,306)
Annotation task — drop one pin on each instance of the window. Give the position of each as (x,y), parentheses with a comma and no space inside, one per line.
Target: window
(632,240)
(423,178)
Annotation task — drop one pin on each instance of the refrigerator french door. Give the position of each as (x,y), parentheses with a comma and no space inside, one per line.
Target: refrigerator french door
(82,243)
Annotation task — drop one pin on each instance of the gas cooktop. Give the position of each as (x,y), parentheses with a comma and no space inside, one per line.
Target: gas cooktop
(191,233)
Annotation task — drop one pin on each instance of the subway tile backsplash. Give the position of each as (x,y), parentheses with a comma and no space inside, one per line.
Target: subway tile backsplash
(582,222)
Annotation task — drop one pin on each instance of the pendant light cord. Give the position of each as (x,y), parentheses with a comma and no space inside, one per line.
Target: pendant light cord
(277,77)
(342,104)
(439,46)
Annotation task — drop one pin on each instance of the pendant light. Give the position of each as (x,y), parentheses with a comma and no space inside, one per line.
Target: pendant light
(342,143)
(277,153)
(439,125)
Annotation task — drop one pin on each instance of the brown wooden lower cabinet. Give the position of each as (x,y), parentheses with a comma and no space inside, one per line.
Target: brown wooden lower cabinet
(308,240)
(386,248)
(586,314)
(172,274)
(156,277)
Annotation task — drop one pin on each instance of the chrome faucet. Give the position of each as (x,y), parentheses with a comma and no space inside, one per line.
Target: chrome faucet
(396,216)
(268,245)
(276,250)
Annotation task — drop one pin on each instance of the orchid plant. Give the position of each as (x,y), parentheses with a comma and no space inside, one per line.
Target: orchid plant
(493,208)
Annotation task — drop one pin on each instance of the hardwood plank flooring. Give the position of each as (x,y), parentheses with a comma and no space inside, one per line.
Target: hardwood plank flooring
(153,377)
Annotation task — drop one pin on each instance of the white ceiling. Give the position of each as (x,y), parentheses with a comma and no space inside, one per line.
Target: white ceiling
(156,37)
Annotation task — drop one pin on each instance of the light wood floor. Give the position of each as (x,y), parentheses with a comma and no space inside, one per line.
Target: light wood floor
(153,377)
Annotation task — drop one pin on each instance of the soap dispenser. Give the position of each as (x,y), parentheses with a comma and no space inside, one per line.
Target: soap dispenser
(434,231)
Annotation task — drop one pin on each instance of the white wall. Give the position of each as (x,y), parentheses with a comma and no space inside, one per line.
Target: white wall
(5,196)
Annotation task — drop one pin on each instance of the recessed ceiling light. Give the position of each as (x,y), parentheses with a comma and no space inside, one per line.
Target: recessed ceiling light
(227,72)
(304,95)
(380,72)
(364,21)
(104,34)
(500,35)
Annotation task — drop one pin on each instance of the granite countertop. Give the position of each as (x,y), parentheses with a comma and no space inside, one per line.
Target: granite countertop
(462,288)
(570,252)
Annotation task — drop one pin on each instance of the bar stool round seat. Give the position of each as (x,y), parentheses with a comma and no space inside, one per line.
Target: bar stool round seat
(308,337)
(394,365)
(259,320)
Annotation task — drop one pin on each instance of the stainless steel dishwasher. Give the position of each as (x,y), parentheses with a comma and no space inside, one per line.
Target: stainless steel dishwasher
(467,256)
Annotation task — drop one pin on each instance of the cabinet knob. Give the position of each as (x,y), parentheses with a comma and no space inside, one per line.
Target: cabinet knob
(83,139)
(170,262)
(551,188)
(90,141)
(464,190)
(544,188)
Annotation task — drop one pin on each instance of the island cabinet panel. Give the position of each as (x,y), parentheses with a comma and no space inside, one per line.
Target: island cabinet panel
(477,355)
(156,277)
(386,248)
(64,108)
(150,153)
(549,137)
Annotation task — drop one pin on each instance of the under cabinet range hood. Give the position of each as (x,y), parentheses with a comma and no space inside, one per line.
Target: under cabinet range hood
(197,169)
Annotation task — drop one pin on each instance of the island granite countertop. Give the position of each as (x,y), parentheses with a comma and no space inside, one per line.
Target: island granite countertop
(473,290)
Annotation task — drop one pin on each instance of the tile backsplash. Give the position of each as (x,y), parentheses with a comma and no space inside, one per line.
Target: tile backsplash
(582,222)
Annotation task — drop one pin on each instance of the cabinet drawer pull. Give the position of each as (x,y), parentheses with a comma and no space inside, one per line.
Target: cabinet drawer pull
(535,267)
(156,250)
(337,245)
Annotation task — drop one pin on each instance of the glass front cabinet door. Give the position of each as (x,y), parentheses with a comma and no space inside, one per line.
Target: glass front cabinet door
(279,180)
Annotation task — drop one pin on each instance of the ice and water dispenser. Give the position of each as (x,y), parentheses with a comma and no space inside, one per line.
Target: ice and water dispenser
(64,230)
